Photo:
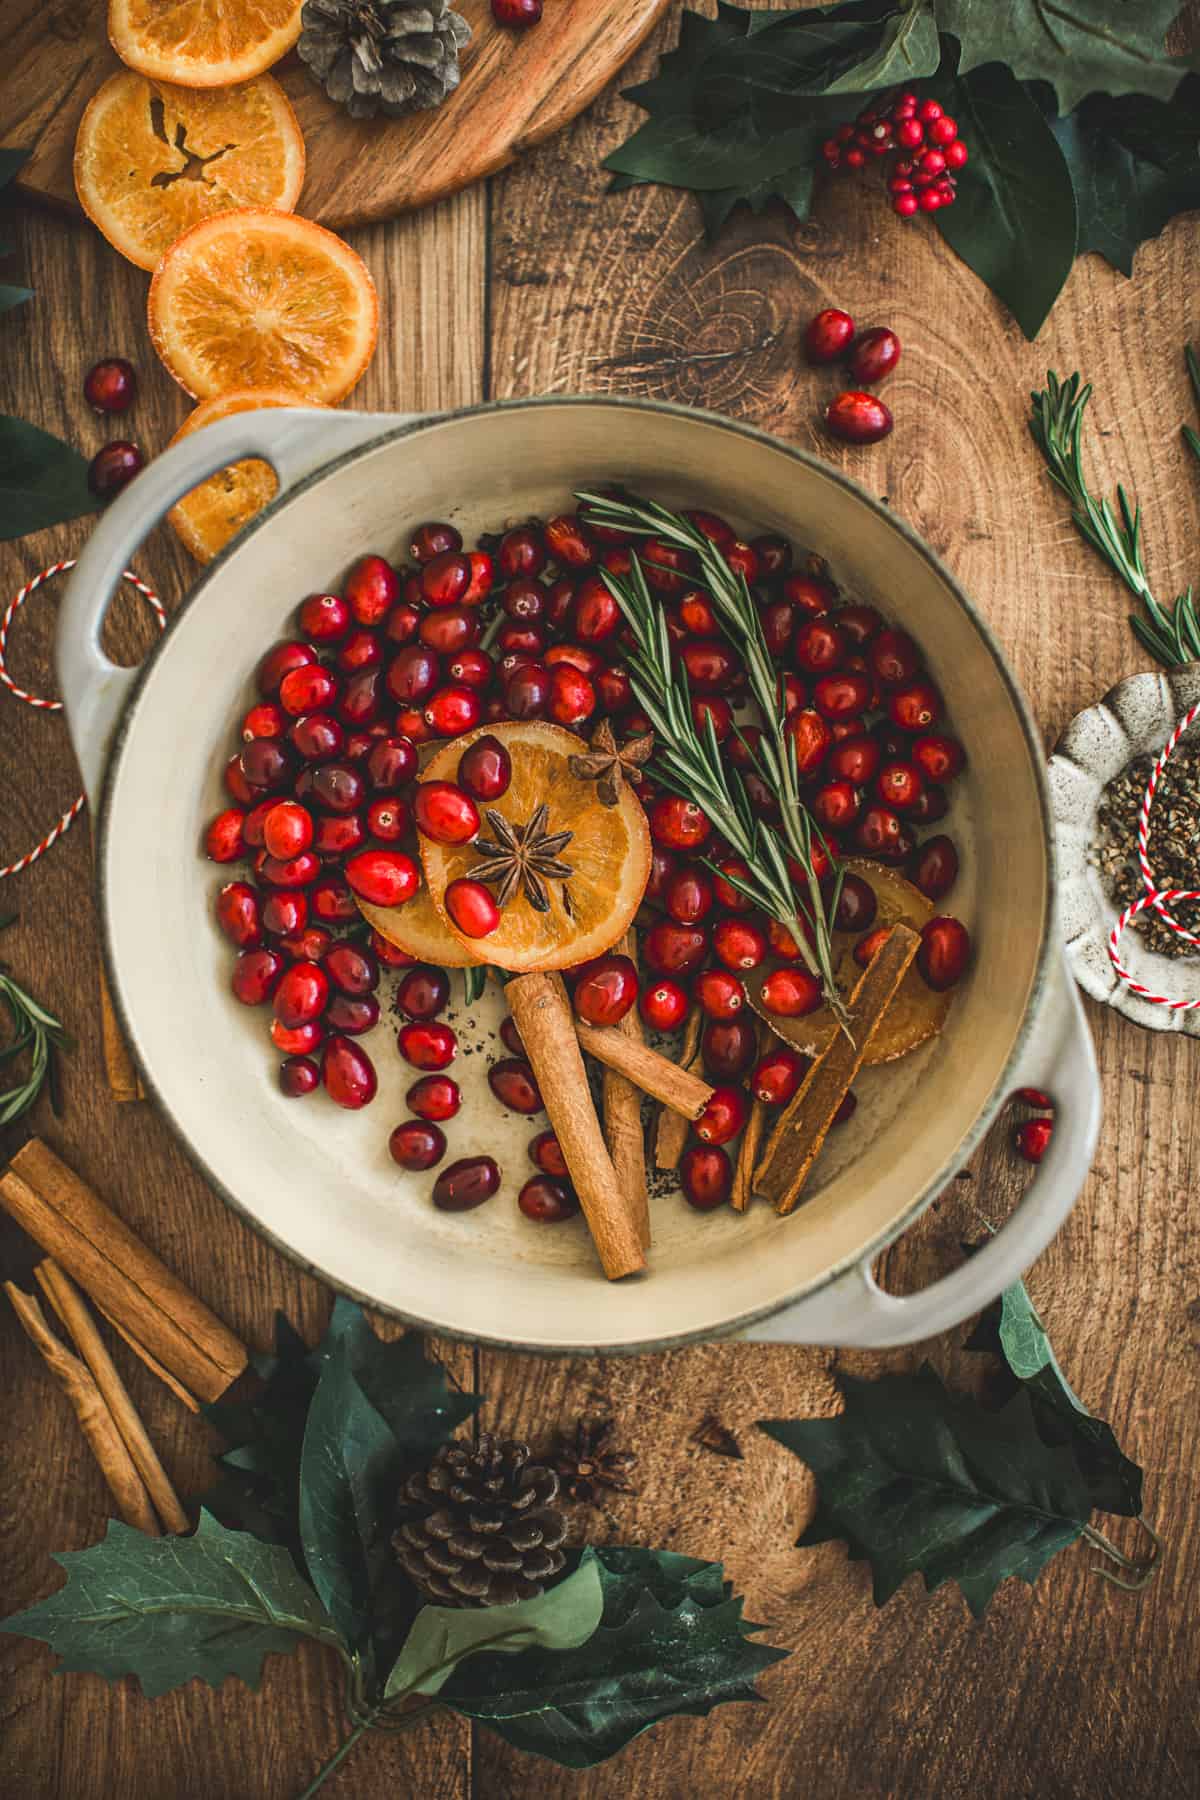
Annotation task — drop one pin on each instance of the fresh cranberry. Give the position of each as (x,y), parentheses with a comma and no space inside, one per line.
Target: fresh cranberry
(774,555)
(384,877)
(894,657)
(352,1013)
(234,781)
(527,691)
(778,620)
(288,872)
(427,1045)
(811,737)
(606,989)
(1032,1139)
(663,1005)
(332,900)
(362,698)
(720,993)
(572,697)
(915,707)
(372,586)
(113,468)
(880,833)
(445,580)
(793,693)
(689,896)
(545,1153)
(729,870)
(723,1117)
(472,668)
(483,573)
(391,762)
(472,907)
(900,785)
(298,1075)
(697,614)
(297,1040)
(777,1076)
(528,641)
(449,629)
(940,758)
(413,673)
(361,650)
(388,818)
(569,542)
(445,813)
(841,696)
(544,1198)
(521,552)
(409,722)
(672,949)
(317,737)
(224,841)
(467,1183)
(485,768)
(267,763)
(668,568)
(433,539)
(263,720)
(338,787)
(874,355)
(855,759)
(728,1047)
(238,915)
(739,944)
(944,953)
(578,656)
(710,663)
(859,624)
(352,969)
(828,336)
(287,830)
(284,912)
(510,1037)
(434,1097)
(711,526)
(705,1176)
(453,710)
(868,948)
(614,688)
(596,615)
(857,905)
(513,1082)
(348,1073)
(743,560)
(309,943)
(404,622)
(337,834)
(679,824)
(280,661)
(302,994)
(662,867)
(857,417)
(708,708)
(110,386)
(932,804)
(791,993)
(836,805)
(389,954)
(819,647)
(417,1144)
(324,618)
(809,596)
(424,992)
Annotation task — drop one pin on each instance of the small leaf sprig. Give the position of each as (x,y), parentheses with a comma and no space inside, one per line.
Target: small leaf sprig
(688,759)
(1056,425)
(35,1030)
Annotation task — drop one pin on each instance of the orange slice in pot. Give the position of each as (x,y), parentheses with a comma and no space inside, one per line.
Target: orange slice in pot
(261,299)
(203,43)
(212,513)
(608,852)
(418,928)
(915,1014)
(152,159)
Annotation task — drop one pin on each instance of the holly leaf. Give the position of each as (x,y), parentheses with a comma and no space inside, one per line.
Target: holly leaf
(1012,1330)
(176,1609)
(42,480)
(1080,47)
(792,187)
(671,1639)
(411,1391)
(916,1479)
(560,1619)
(1014,220)
(908,52)
(1135,163)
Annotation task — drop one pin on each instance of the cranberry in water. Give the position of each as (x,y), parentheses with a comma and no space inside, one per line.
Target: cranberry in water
(777,1076)
(453,710)
(706,1176)
(351,968)
(723,1117)
(933,867)
(485,768)
(679,824)
(285,912)
(663,1005)
(720,994)
(606,990)
(424,992)
(514,1085)
(543,1198)
(224,841)
(297,1040)
(944,953)
(417,1144)
(545,1153)
(472,907)
(301,995)
(466,1184)
(372,587)
(384,877)
(348,1073)
(324,618)
(791,993)
(352,1013)
(113,468)
(426,1045)
(238,915)
(445,813)
(739,944)
(433,539)
(728,1047)
(298,1075)
(256,974)
(391,763)
(857,905)
(434,1097)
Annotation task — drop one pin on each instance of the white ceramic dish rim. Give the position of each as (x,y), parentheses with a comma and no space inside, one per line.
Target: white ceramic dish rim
(1051,1023)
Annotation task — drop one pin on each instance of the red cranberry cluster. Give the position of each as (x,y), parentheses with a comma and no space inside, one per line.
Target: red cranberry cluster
(110,387)
(921,137)
(854,416)
(1031,1139)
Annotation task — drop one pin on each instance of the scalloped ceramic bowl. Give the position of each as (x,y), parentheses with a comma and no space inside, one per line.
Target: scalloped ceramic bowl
(1134,719)
(318,1180)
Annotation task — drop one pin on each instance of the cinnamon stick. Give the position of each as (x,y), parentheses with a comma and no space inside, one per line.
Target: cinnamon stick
(543,1016)
(747,1156)
(796,1141)
(654,1074)
(72,1311)
(107,1445)
(622,1109)
(151,1362)
(126,1280)
(118,1062)
(670,1133)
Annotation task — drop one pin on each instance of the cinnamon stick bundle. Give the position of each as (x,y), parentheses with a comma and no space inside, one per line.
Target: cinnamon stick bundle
(125,1279)
(95,1419)
(621,1104)
(796,1141)
(654,1074)
(542,1011)
(670,1133)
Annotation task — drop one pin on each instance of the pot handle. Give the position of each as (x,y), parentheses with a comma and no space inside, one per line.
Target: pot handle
(294,441)
(855,1312)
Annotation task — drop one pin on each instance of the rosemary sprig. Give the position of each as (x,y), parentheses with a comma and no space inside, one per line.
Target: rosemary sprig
(36,1030)
(689,760)
(1056,425)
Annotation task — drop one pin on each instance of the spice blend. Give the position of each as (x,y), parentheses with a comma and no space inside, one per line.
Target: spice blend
(1173,845)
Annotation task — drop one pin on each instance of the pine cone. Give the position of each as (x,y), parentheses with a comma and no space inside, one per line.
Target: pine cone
(489,1534)
(389,56)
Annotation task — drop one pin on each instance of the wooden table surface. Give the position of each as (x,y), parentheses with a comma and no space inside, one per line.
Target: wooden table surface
(539,284)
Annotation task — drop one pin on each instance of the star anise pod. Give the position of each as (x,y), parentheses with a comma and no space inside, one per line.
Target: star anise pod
(524,856)
(608,763)
(584,1463)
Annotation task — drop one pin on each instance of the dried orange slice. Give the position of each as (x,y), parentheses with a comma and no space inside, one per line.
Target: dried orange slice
(203,43)
(212,513)
(151,160)
(417,927)
(265,300)
(609,853)
(915,1014)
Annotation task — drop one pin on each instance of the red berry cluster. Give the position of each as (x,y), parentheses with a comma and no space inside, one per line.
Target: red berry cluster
(921,136)
(1031,1140)
(110,387)
(854,416)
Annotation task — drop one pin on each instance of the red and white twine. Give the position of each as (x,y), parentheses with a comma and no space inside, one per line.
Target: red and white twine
(67,819)
(1158,898)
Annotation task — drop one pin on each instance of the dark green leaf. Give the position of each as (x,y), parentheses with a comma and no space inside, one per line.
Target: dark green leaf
(1135,163)
(13,296)
(908,52)
(1080,47)
(42,480)
(10,162)
(259,1485)
(410,1390)
(349,1468)
(671,1639)
(443,1636)
(1014,220)
(914,1478)
(1012,1330)
(793,187)
(173,1609)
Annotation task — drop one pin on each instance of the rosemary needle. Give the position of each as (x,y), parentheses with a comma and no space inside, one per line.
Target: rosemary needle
(35,1030)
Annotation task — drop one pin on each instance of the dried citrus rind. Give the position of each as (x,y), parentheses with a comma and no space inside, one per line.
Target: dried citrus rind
(609,853)
(916,1013)
(216,511)
(418,929)
(202,43)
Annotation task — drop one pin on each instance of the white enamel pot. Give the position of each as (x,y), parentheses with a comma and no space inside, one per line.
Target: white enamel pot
(318,1181)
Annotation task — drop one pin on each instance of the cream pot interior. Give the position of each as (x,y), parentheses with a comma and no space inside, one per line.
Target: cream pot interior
(318,1180)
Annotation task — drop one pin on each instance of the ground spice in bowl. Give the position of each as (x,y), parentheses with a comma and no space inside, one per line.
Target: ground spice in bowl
(1173,846)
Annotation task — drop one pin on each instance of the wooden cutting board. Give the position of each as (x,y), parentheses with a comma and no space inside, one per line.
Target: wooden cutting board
(517,88)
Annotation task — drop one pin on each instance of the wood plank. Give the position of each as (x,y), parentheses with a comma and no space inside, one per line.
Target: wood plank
(78,1736)
(516,90)
(622,294)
